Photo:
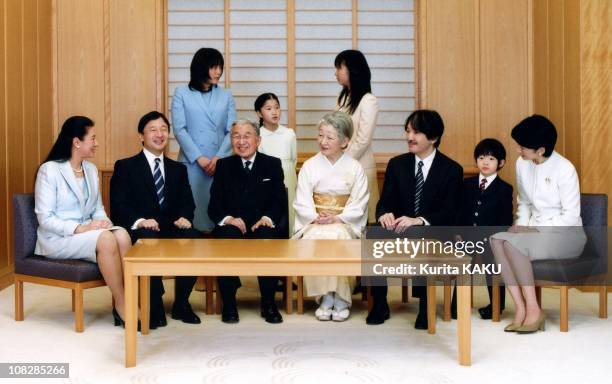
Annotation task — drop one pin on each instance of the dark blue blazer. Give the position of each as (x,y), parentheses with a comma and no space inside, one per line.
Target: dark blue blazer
(493,207)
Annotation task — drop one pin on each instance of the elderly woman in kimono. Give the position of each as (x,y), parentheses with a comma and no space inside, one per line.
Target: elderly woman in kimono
(331,203)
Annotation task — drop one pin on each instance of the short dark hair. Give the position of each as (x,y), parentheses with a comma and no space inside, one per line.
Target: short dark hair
(74,126)
(490,147)
(153,115)
(427,122)
(203,60)
(261,100)
(534,132)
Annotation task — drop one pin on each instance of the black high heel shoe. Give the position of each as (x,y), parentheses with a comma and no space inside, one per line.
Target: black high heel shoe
(119,321)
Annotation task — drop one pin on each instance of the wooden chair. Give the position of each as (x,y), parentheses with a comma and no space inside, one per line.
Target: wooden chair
(76,275)
(588,269)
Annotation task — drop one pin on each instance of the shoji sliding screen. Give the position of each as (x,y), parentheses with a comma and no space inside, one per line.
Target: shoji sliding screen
(288,47)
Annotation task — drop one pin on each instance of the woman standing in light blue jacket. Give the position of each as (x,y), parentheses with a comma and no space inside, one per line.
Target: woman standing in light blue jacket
(72,223)
(202,115)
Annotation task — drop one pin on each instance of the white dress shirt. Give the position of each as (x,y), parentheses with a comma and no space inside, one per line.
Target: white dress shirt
(426,164)
(489,178)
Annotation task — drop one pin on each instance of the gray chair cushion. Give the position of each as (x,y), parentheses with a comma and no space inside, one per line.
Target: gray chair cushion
(25,225)
(594,258)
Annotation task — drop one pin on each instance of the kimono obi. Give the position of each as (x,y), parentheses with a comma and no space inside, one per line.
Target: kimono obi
(333,204)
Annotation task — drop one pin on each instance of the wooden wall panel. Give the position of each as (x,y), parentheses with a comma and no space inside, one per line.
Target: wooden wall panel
(572,55)
(110,65)
(133,59)
(14,114)
(571,132)
(504,65)
(46,135)
(4,208)
(595,89)
(25,102)
(30,93)
(556,69)
(15,94)
(80,64)
(474,65)
(448,60)
(541,81)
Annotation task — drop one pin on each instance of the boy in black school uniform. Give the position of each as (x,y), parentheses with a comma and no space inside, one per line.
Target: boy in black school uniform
(487,201)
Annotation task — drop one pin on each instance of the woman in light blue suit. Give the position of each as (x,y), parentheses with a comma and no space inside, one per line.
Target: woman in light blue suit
(202,115)
(72,223)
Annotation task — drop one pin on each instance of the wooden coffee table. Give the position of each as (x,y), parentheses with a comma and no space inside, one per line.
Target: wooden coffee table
(217,257)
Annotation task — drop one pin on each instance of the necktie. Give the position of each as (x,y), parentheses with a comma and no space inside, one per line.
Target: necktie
(159,182)
(247,166)
(482,185)
(418,190)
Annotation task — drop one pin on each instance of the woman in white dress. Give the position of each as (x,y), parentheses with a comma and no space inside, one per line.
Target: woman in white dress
(72,223)
(548,223)
(278,141)
(331,203)
(356,99)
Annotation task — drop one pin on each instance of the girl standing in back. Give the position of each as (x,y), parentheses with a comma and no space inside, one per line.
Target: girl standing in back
(356,99)
(278,141)
(202,116)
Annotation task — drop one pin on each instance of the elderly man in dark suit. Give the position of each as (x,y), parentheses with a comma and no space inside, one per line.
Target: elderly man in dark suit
(151,197)
(247,201)
(421,188)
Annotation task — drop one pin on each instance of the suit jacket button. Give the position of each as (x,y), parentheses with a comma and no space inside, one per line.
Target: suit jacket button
(479,203)
(475,224)
(475,213)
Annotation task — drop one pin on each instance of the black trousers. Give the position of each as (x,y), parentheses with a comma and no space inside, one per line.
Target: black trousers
(228,285)
(183,284)
(378,284)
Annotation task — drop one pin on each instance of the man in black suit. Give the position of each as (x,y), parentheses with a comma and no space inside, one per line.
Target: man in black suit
(421,188)
(150,196)
(248,201)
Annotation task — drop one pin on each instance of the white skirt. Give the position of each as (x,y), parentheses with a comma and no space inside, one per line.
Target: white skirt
(565,244)
(79,246)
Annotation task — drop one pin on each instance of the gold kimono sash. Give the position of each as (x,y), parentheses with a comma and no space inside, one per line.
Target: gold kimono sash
(333,204)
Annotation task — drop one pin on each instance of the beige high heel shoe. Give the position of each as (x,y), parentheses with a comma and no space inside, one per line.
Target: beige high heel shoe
(538,325)
(512,327)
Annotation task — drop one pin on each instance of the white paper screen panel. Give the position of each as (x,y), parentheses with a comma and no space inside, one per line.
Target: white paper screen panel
(258,56)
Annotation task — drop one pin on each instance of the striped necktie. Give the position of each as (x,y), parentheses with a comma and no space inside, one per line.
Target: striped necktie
(483,185)
(247,166)
(418,190)
(159,182)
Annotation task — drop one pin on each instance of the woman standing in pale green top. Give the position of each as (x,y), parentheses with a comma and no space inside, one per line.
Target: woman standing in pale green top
(278,141)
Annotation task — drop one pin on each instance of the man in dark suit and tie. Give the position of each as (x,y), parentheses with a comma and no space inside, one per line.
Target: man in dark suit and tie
(150,196)
(421,188)
(248,201)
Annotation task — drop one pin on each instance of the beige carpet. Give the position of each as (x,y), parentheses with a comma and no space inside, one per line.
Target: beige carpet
(303,350)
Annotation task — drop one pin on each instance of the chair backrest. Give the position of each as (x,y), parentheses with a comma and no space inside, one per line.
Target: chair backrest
(594,209)
(594,212)
(25,225)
